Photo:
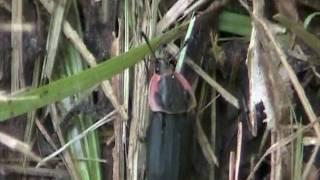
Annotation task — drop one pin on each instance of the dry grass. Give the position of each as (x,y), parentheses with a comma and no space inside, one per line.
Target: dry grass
(231,133)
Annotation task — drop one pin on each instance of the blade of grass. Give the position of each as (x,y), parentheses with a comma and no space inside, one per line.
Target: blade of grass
(238,153)
(308,20)
(232,164)
(78,151)
(224,93)
(71,63)
(312,159)
(56,23)
(84,80)
(298,163)
(205,145)
(67,156)
(16,43)
(29,130)
(235,23)
(201,135)
(213,117)
(183,52)
(92,151)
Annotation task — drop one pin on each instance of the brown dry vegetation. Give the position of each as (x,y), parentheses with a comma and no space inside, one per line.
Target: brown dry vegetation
(253,66)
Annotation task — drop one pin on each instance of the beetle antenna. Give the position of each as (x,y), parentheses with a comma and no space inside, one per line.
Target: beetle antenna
(147,41)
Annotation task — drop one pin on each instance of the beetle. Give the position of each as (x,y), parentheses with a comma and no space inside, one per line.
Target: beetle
(169,91)
(170,134)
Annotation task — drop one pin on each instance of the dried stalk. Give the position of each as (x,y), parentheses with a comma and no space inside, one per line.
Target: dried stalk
(16,43)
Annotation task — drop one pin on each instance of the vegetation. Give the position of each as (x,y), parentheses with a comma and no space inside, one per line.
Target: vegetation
(76,78)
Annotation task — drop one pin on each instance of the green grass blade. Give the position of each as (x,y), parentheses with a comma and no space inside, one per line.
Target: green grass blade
(308,20)
(235,23)
(62,88)
(184,49)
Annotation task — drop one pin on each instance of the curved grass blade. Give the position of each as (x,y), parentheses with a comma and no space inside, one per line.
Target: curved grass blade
(62,88)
